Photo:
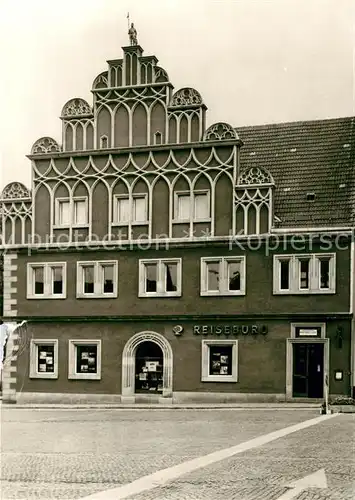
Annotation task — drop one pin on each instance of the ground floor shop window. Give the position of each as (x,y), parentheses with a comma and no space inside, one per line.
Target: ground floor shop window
(85,359)
(44,358)
(149,368)
(219,361)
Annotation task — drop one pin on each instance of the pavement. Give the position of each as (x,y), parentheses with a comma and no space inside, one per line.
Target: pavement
(65,453)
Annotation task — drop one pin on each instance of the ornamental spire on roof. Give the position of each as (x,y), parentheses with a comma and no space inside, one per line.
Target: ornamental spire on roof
(132,33)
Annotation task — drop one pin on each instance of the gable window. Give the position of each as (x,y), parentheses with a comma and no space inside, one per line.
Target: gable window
(158,138)
(161,277)
(63,216)
(139,208)
(71,212)
(46,281)
(195,206)
(130,210)
(44,358)
(80,211)
(223,276)
(313,273)
(84,360)
(103,142)
(122,209)
(97,279)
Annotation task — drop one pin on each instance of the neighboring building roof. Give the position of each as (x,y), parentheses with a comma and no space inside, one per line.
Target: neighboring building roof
(305,158)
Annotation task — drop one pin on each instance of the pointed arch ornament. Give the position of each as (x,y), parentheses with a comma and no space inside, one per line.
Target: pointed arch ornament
(129,358)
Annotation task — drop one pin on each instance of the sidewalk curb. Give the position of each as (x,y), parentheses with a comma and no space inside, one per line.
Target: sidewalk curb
(137,406)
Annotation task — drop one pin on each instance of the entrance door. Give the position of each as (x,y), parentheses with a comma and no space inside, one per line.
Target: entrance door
(149,369)
(308,370)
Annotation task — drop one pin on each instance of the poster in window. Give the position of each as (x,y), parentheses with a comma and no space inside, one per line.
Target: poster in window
(151,366)
(46,359)
(86,359)
(220,360)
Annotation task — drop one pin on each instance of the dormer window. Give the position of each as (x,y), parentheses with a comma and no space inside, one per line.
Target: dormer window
(158,138)
(103,142)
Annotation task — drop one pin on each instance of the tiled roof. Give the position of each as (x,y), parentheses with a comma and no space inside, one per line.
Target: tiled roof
(306,157)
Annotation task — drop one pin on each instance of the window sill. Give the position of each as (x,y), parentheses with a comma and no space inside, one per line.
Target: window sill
(132,223)
(304,292)
(51,376)
(159,295)
(222,294)
(46,297)
(97,296)
(219,378)
(84,376)
(187,221)
(73,226)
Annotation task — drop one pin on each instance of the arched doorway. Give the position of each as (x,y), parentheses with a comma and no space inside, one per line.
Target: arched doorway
(141,350)
(149,369)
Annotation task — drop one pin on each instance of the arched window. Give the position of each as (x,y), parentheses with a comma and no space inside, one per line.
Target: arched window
(158,138)
(103,142)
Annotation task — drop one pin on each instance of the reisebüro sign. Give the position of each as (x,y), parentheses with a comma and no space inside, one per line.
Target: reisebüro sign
(230,329)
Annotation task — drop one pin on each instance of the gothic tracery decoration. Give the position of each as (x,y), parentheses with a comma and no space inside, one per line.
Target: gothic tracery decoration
(220,132)
(45,145)
(161,75)
(101,81)
(76,107)
(255,176)
(186,97)
(15,191)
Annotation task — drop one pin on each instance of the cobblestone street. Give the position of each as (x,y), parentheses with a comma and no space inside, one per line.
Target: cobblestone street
(70,454)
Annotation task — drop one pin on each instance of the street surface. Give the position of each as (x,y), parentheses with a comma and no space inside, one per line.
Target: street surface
(72,454)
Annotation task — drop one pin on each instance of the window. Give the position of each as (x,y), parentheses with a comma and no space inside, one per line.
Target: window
(44,358)
(160,278)
(139,208)
(103,142)
(223,276)
(46,281)
(219,361)
(158,138)
(183,207)
(134,210)
(197,206)
(122,210)
(80,211)
(97,279)
(313,273)
(71,212)
(63,213)
(84,360)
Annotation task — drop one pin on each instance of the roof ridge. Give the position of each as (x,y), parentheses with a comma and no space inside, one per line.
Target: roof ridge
(297,122)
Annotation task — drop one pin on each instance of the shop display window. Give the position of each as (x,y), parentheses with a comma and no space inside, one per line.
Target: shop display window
(219,360)
(149,369)
(44,358)
(84,359)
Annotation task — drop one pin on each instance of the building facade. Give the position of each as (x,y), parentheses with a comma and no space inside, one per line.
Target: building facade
(159,259)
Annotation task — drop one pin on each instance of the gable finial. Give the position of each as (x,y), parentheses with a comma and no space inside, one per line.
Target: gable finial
(132,33)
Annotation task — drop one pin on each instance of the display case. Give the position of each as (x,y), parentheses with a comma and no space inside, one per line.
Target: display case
(149,377)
